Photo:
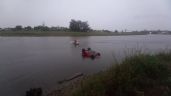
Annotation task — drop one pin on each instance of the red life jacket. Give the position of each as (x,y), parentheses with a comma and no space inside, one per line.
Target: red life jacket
(86,53)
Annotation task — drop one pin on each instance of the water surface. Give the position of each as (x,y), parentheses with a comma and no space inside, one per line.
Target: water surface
(27,62)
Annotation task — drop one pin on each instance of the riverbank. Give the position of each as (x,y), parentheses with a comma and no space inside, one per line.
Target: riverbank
(139,75)
(54,33)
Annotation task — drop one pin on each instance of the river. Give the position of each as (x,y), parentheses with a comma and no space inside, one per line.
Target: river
(27,62)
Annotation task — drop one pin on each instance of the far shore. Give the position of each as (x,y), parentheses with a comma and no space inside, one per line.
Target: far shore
(68,33)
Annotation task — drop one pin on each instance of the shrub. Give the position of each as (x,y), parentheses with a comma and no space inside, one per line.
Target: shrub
(140,74)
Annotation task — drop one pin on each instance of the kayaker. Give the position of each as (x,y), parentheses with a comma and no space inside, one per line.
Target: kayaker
(76,42)
(85,52)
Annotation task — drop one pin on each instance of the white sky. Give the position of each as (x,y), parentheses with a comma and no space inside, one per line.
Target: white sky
(101,14)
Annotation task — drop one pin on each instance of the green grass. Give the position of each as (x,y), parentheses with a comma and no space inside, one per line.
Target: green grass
(54,33)
(139,75)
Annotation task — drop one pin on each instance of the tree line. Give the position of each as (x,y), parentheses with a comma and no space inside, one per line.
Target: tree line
(35,28)
(77,26)
(74,25)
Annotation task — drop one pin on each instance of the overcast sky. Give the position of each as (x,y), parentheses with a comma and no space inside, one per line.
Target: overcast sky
(100,14)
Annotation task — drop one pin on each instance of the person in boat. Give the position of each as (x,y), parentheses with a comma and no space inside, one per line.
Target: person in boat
(85,52)
(93,54)
(76,42)
(89,53)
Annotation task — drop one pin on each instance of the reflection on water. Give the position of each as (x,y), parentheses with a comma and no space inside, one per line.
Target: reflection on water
(27,62)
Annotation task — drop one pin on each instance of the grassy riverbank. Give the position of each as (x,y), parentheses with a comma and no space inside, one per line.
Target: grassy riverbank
(54,33)
(139,75)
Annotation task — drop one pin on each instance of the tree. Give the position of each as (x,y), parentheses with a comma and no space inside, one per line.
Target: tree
(41,28)
(58,28)
(116,31)
(18,28)
(28,28)
(84,26)
(79,26)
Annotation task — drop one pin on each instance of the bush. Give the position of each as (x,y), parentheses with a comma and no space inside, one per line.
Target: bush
(140,75)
